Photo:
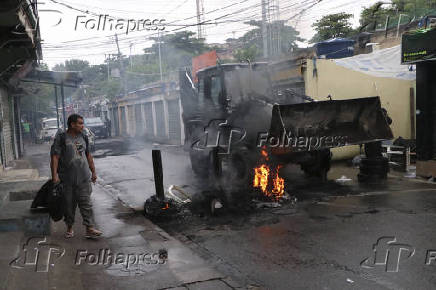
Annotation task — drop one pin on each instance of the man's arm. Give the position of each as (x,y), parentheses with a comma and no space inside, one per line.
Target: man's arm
(54,164)
(91,166)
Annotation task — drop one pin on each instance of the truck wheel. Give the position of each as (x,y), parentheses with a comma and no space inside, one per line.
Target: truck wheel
(199,165)
(319,165)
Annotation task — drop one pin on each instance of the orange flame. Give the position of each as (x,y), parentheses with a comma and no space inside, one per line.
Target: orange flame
(262,176)
(167,206)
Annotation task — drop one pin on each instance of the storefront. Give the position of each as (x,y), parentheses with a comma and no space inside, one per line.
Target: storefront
(419,47)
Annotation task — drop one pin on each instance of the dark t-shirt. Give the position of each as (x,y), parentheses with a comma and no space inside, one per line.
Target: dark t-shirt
(73,165)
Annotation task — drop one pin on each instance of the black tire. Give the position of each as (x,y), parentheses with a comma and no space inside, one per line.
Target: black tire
(199,165)
(379,161)
(319,165)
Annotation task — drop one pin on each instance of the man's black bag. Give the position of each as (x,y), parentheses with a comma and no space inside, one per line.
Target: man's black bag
(50,196)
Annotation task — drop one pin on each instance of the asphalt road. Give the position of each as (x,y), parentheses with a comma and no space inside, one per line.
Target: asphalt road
(337,236)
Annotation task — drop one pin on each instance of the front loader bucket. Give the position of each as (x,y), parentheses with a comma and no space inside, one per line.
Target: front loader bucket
(327,124)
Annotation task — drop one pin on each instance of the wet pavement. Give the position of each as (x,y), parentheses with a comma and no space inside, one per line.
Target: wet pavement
(328,240)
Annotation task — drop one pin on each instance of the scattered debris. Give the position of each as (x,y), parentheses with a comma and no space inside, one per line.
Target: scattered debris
(157,207)
(357,160)
(176,193)
(410,175)
(260,204)
(343,179)
(163,254)
(216,206)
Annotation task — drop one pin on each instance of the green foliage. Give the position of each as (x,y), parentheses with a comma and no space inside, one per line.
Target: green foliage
(37,98)
(246,54)
(375,16)
(251,43)
(177,49)
(332,26)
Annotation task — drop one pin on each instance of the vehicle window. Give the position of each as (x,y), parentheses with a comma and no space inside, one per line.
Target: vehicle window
(51,124)
(215,90)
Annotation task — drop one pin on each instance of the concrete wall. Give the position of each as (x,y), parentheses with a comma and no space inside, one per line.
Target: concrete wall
(6,129)
(158,134)
(342,83)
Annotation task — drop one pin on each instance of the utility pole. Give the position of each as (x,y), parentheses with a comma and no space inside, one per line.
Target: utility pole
(160,57)
(200,12)
(122,72)
(264,30)
(130,55)
(108,58)
(275,27)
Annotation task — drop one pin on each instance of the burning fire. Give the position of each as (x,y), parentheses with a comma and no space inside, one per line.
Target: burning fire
(167,206)
(272,185)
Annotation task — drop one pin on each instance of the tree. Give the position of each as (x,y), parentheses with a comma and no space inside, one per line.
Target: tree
(377,14)
(374,15)
(250,45)
(246,54)
(177,49)
(332,26)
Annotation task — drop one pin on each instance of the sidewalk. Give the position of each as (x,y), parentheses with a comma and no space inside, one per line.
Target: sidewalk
(126,257)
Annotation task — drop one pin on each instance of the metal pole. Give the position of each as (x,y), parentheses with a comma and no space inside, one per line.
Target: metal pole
(63,106)
(398,26)
(57,105)
(158,174)
(264,30)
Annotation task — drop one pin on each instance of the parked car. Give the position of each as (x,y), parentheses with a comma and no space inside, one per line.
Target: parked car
(91,138)
(49,130)
(97,126)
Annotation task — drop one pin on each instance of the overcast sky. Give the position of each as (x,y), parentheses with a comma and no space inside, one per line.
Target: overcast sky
(66,36)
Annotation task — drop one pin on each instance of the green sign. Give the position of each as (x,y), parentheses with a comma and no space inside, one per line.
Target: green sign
(418,45)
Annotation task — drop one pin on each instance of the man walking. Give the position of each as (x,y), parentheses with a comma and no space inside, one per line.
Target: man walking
(72,163)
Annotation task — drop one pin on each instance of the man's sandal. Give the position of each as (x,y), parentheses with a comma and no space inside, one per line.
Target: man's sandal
(90,234)
(69,235)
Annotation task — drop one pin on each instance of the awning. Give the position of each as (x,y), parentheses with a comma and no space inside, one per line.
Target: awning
(380,63)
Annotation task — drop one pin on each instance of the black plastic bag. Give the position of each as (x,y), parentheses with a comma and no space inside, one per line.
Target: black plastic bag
(56,203)
(50,196)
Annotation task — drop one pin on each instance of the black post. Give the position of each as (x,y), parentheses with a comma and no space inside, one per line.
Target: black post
(57,105)
(158,174)
(63,106)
